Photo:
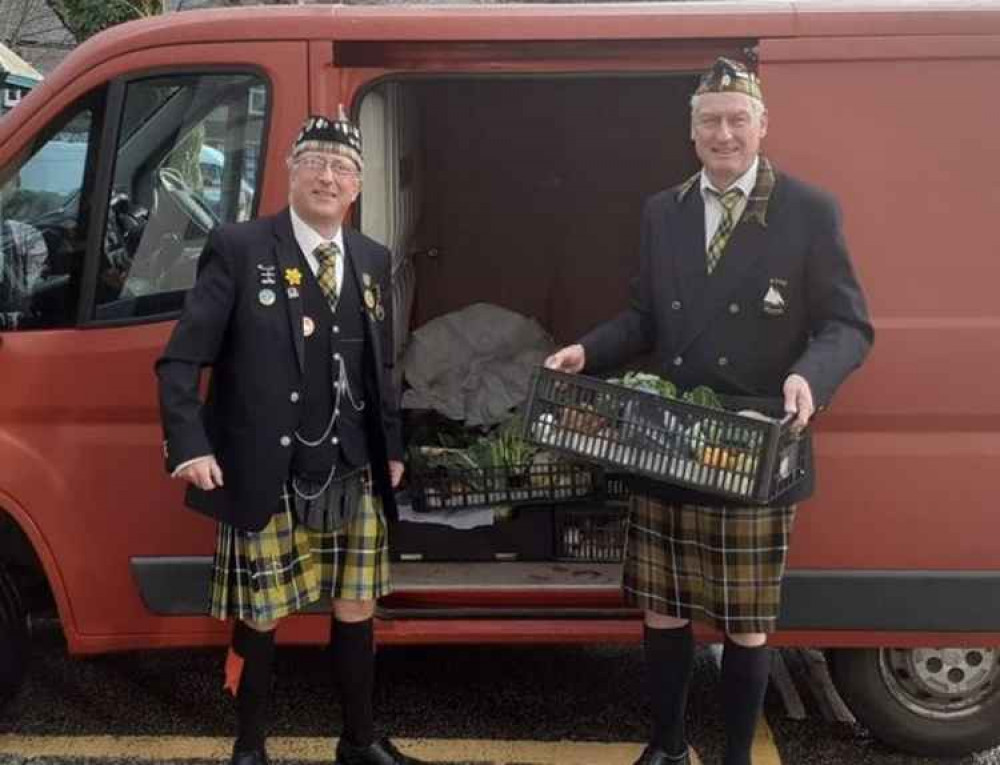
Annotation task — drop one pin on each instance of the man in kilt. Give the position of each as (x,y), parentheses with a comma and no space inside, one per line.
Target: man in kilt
(745,285)
(297,446)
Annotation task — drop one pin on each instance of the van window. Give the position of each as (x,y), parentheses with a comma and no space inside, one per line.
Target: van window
(42,234)
(186,159)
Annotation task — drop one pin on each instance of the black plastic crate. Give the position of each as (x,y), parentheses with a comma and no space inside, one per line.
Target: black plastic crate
(525,534)
(590,534)
(449,488)
(714,451)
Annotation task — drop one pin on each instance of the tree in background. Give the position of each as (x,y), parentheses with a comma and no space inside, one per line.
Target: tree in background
(84,18)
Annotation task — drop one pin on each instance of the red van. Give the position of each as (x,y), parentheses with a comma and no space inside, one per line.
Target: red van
(508,150)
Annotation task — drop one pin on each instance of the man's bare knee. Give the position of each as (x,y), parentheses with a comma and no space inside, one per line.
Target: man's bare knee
(749,639)
(353,610)
(661,622)
(261,626)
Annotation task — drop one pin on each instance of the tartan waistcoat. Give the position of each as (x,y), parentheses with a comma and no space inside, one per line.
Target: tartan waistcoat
(318,396)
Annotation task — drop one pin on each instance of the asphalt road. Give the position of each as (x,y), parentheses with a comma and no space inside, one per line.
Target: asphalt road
(461,699)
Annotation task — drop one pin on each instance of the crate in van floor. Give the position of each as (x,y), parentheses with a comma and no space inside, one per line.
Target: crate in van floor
(450,488)
(592,534)
(585,532)
(525,535)
(714,451)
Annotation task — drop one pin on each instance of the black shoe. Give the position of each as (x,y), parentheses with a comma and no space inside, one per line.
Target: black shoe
(652,755)
(249,757)
(382,752)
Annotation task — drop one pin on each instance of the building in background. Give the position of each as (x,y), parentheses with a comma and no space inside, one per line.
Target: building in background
(17,77)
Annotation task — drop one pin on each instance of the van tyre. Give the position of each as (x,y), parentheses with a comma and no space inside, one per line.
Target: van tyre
(942,702)
(14,643)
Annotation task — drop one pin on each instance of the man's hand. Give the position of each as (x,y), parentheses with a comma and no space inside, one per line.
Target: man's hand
(570,359)
(798,400)
(203,472)
(395,472)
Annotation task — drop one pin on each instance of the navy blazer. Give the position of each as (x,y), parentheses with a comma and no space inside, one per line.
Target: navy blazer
(783,299)
(255,348)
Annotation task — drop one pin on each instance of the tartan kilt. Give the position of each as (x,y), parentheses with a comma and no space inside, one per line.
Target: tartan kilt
(719,565)
(266,575)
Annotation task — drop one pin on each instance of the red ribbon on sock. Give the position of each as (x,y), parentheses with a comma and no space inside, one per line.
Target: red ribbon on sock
(234,670)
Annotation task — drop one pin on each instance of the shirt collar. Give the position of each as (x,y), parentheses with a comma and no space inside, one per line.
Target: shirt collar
(744,183)
(758,197)
(309,238)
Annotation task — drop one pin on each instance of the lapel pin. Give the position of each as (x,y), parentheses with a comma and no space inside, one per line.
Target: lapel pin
(774,301)
(308,326)
(293,276)
(292,293)
(268,274)
(266,297)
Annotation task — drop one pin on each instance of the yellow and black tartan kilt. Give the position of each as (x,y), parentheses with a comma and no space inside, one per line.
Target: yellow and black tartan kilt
(266,575)
(720,565)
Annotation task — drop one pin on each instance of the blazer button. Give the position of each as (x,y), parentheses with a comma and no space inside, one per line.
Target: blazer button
(285,441)
(676,305)
(336,329)
(678,361)
(723,361)
(294,397)
(336,357)
(734,308)
(334,440)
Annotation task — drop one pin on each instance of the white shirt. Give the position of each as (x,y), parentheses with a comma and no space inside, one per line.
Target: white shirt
(713,205)
(309,239)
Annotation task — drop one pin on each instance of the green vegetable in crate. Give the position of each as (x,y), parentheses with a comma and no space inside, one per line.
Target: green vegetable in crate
(648,383)
(702,396)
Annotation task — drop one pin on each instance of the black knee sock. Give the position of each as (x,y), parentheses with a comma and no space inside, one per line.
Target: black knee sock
(745,672)
(669,664)
(352,650)
(254,690)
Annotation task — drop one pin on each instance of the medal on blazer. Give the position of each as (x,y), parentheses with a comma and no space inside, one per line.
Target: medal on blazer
(266,297)
(373,298)
(308,326)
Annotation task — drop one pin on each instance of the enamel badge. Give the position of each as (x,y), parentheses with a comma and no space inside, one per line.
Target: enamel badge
(373,298)
(268,275)
(308,326)
(266,297)
(293,277)
(774,298)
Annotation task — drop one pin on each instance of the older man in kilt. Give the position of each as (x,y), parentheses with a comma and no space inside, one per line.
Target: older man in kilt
(745,285)
(297,446)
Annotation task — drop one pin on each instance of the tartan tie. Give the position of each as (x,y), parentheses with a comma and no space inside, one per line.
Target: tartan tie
(326,255)
(716,247)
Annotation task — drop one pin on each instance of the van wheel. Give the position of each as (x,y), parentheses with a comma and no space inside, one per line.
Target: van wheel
(14,643)
(941,702)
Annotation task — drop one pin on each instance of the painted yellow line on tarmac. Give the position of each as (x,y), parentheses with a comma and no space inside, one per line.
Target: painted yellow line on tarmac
(765,751)
(317,749)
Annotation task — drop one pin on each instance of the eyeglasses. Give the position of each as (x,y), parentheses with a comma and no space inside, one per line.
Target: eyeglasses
(315,163)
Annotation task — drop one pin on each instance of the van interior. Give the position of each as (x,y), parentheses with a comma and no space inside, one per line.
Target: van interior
(523,193)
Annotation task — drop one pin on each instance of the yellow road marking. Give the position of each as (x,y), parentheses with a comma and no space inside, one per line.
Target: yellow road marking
(320,749)
(315,749)
(765,751)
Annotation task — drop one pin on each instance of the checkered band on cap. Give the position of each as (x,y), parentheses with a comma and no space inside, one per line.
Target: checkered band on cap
(321,134)
(728,76)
